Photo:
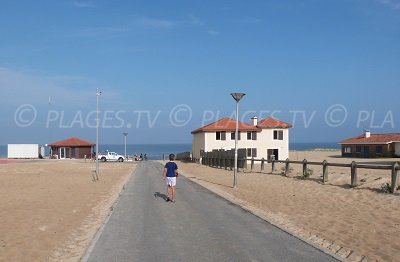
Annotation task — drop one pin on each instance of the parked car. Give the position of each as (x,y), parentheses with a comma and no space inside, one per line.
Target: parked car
(110,156)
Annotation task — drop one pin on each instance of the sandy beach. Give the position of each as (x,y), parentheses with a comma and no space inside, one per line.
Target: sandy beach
(51,209)
(357,224)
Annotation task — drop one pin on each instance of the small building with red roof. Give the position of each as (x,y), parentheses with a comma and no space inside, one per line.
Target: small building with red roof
(72,147)
(368,145)
(264,139)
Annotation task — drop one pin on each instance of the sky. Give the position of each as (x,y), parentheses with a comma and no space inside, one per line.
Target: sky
(165,68)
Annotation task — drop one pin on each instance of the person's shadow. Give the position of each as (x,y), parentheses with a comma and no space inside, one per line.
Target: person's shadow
(160,195)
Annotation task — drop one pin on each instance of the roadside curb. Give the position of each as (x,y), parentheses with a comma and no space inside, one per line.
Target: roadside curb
(97,236)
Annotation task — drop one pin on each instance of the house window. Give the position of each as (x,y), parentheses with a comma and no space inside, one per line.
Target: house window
(252,152)
(220,135)
(347,150)
(233,135)
(379,150)
(358,149)
(251,135)
(278,134)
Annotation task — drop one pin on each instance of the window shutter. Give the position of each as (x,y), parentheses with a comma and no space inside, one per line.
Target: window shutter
(254,135)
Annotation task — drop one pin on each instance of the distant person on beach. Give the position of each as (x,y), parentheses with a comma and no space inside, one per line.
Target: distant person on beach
(145,157)
(169,175)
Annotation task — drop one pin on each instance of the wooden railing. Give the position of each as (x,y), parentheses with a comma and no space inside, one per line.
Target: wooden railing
(228,162)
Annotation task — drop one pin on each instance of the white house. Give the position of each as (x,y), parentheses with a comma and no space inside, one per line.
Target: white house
(264,139)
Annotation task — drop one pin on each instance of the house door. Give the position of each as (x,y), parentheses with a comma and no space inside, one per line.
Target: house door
(366,151)
(62,152)
(273,153)
(73,152)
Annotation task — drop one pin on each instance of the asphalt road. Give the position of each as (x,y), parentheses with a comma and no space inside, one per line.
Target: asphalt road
(200,226)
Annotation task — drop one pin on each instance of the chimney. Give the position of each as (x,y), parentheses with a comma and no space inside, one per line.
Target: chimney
(367,134)
(254,120)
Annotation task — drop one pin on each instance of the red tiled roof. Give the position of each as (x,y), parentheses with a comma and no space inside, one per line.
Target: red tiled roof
(72,141)
(271,122)
(225,124)
(373,139)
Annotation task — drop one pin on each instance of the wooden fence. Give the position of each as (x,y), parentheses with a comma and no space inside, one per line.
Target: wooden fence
(225,159)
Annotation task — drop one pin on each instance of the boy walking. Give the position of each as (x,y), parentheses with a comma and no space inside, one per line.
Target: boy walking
(170,173)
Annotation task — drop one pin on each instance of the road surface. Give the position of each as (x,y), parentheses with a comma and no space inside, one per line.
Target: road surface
(200,226)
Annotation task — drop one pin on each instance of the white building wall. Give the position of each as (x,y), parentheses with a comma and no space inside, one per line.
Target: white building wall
(397,148)
(198,144)
(22,150)
(265,140)
(229,143)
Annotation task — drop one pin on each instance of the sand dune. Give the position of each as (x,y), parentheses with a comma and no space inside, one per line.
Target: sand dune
(51,209)
(354,223)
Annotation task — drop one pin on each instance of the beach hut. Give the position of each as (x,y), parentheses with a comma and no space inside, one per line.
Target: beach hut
(72,147)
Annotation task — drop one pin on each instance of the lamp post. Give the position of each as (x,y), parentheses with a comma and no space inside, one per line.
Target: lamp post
(237,97)
(125,134)
(98,93)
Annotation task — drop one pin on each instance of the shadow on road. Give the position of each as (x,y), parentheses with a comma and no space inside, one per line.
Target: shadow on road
(160,195)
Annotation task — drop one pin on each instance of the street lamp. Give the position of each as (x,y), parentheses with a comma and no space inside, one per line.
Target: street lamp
(98,93)
(125,134)
(237,97)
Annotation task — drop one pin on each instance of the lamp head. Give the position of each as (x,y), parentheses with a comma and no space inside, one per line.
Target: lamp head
(237,96)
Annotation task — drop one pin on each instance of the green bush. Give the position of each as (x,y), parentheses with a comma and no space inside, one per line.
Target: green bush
(309,172)
(387,188)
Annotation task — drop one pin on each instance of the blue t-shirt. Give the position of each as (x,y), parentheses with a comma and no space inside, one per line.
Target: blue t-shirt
(171,167)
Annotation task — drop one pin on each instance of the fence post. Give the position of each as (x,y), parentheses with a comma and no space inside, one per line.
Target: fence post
(252,164)
(325,171)
(287,166)
(353,174)
(262,165)
(304,167)
(273,166)
(395,177)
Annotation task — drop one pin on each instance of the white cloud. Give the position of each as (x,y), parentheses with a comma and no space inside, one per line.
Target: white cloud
(154,23)
(102,31)
(139,23)
(391,3)
(21,87)
(193,21)
(212,32)
(83,4)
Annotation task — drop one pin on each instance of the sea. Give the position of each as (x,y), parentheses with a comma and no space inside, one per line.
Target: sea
(156,151)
